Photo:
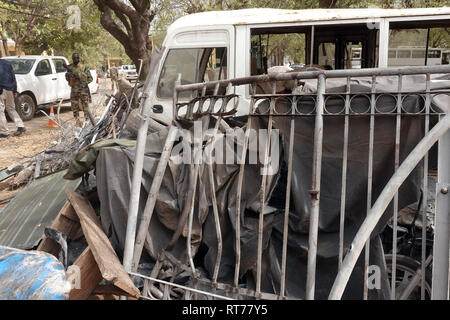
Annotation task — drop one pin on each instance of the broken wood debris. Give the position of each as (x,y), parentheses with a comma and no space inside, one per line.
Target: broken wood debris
(98,262)
(109,264)
(89,276)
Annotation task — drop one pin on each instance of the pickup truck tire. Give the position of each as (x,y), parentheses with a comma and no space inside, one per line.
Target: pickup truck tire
(406,269)
(26,107)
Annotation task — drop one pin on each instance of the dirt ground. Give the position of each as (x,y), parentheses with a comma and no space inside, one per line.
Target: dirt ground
(38,136)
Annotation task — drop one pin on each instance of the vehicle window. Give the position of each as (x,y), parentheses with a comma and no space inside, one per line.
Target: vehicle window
(43,68)
(21,66)
(434,54)
(59,65)
(392,54)
(327,51)
(356,54)
(404,53)
(419,54)
(270,48)
(445,57)
(346,46)
(411,46)
(353,55)
(195,65)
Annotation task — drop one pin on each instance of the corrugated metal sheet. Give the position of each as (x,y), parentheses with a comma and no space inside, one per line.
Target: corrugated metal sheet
(23,221)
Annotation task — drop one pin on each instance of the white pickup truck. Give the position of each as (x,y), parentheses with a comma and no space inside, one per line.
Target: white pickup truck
(41,82)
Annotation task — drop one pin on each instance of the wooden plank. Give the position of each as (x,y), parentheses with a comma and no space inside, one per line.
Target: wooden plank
(109,289)
(90,276)
(103,297)
(107,260)
(66,222)
(69,212)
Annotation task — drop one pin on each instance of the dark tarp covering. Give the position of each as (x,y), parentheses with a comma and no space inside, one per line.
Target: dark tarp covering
(114,173)
(85,159)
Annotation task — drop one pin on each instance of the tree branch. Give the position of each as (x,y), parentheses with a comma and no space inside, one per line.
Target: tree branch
(125,22)
(108,23)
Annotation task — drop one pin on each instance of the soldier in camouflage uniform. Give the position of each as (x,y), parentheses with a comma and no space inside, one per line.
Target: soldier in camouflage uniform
(79,77)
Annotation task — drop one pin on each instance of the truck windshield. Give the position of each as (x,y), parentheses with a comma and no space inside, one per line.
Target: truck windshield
(195,65)
(21,66)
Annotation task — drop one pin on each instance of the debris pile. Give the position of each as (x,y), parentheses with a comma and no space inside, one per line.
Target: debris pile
(73,139)
(70,230)
(77,238)
(219,228)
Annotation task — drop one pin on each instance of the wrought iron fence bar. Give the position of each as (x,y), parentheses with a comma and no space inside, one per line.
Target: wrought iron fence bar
(330,94)
(369,181)
(239,190)
(154,191)
(263,193)
(288,199)
(132,219)
(344,177)
(396,165)
(391,92)
(197,150)
(424,208)
(349,114)
(383,201)
(440,281)
(218,230)
(315,190)
(213,192)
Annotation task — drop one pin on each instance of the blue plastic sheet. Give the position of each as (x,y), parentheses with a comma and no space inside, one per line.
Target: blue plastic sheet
(31,275)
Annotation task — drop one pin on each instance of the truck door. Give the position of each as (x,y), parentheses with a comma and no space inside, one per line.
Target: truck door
(46,82)
(62,86)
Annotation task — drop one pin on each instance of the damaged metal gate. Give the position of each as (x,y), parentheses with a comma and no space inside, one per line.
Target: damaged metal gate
(356,150)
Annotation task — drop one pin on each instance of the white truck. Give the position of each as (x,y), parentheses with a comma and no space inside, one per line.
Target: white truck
(41,82)
(211,46)
(128,71)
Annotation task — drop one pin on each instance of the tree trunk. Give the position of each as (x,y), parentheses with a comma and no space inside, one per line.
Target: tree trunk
(18,48)
(5,43)
(133,32)
(327,4)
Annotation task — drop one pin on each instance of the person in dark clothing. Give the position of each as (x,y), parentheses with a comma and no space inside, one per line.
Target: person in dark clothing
(8,88)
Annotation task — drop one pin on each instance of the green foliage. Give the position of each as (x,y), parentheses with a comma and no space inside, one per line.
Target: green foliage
(91,41)
(44,27)
(49,32)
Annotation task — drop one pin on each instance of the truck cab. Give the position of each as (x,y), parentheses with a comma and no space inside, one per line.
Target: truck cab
(213,46)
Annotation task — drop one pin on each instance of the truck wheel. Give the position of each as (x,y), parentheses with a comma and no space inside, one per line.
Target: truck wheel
(25,106)
(406,269)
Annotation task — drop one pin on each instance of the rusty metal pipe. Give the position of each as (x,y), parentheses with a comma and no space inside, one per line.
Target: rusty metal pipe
(315,191)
